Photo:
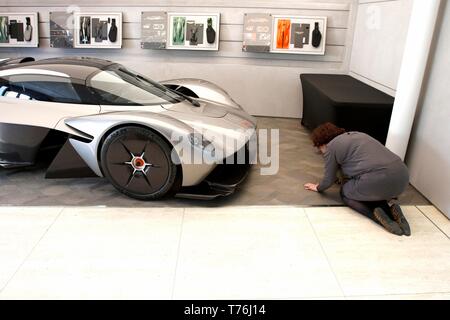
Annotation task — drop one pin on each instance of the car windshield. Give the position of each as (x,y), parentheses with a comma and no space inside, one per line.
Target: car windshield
(117,85)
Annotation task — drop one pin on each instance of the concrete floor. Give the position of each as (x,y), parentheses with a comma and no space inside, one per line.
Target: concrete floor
(299,163)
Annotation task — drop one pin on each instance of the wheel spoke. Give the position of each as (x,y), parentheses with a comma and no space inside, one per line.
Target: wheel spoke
(143,150)
(126,149)
(146,179)
(121,163)
(129,180)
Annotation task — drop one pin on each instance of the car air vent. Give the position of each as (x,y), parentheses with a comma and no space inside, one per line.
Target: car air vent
(183,90)
(27,59)
(11,61)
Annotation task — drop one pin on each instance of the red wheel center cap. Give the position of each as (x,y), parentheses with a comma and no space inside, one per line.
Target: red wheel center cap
(138,163)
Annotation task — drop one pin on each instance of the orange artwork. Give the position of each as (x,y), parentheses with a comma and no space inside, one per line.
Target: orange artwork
(283,33)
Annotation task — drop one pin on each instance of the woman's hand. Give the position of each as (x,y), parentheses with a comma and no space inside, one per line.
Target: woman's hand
(311,186)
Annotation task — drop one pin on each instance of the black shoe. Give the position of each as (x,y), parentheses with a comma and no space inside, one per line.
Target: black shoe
(400,219)
(387,222)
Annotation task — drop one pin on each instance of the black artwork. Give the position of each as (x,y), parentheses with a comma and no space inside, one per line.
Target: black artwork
(113,31)
(316,36)
(20,36)
(210,32)
(13,29)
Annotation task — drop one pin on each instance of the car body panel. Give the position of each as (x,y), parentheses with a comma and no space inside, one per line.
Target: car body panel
(218,118)
(41,113)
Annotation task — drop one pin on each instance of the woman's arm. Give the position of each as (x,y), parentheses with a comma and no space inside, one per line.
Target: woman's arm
(331,168)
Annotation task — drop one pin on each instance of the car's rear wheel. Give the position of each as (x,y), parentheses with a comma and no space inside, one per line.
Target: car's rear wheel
(138,163)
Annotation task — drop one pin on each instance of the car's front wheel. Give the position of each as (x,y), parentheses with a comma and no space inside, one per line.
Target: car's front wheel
(138,163)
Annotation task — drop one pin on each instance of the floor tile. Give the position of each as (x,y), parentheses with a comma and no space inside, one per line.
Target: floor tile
(251,253)
(20,230)
(437,217)
(103,253)
(369,261)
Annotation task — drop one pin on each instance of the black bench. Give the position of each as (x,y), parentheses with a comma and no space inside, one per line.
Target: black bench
(346,102)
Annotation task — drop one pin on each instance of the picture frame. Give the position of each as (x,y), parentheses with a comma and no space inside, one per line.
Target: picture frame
(257,32)
(193,31)
(19,29)
(154,30)
(61,29)
(296,34)
(99,30)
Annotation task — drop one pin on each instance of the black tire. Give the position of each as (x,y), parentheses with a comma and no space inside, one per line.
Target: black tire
(155,176)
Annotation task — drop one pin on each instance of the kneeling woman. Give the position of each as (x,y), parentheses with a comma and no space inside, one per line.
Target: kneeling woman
(374,175)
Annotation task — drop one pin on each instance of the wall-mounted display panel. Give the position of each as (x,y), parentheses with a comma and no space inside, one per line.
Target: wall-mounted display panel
(61,30)
(98,30)
(298,34)
(193,31)
(257,32)
(19,29)
(153,30)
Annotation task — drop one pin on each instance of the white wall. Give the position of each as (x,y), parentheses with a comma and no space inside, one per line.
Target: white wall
(428,155)
(380,33)
(265,84)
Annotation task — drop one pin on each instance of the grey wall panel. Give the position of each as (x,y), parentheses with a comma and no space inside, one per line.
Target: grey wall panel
(380,33)
(248,76)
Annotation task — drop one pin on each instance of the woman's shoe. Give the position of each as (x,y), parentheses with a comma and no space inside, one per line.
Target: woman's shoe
(387,222)
(400,219)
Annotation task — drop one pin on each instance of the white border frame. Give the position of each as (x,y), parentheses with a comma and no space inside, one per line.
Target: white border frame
(76,31)
(170,46)
(34,43)
(318,51)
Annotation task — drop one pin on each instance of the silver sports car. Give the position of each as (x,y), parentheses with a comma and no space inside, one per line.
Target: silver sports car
(98,118)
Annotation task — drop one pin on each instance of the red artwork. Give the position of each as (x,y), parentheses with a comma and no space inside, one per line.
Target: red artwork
(283,33)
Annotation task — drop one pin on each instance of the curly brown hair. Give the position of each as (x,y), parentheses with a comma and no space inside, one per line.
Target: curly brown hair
(325,133)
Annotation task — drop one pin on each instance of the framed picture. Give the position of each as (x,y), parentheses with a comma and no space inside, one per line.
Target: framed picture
(298,34)
(153,30)
(257,32)
(61,30)
(193,31)
(19,29)
(98,30)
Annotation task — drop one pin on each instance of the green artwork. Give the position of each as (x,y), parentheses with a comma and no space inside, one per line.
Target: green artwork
(179,29)
(4,29)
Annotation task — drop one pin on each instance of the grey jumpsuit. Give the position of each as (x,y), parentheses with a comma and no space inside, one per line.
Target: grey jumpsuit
(374,172)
